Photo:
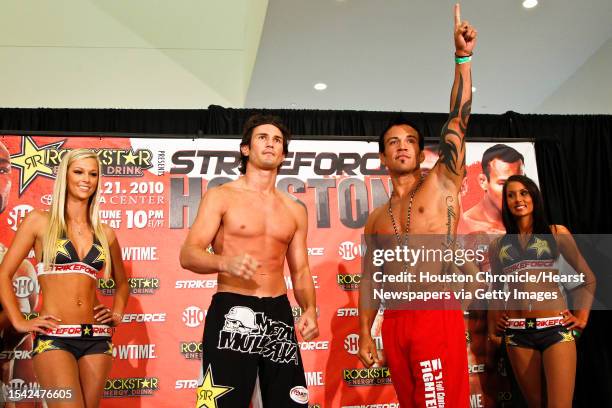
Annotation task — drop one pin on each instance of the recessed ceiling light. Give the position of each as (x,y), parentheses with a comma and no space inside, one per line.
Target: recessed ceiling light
(320,86)
(530,3)
(473,89)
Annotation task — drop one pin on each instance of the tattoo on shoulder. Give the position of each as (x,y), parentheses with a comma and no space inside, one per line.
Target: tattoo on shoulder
(452,145)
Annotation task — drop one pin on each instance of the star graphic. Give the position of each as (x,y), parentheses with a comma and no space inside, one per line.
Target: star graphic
(146,283)
(566,337)
(86,331)
(110,348)
(208,392)
(44,345)
(530,324)
(101,255)
(503,253)
(540,246)
(61,247)
(32,162)
(145,383)
(130,158)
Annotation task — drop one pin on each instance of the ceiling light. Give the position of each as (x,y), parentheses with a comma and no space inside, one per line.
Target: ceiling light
(320,86)
(530,3)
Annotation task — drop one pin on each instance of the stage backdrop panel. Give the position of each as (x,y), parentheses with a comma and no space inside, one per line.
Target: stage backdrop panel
(151,191)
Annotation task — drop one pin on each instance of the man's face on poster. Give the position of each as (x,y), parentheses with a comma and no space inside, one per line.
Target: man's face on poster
(5,177)
(499,171)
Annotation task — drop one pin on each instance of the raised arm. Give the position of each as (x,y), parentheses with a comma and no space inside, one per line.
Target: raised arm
(451,164)
(303,287)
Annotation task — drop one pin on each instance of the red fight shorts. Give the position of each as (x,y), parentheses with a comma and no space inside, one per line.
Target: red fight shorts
(427,356)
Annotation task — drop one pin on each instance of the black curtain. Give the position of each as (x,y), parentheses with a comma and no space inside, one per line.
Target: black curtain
(573,154)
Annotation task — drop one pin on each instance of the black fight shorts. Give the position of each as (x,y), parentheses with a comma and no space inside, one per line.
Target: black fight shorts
(250,353)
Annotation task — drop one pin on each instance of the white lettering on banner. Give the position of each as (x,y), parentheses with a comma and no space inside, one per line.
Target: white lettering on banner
(134,351)
(186,384)
(139,253)
(24,286)
(314,378)
(196,284)
(314,345)
(193,316)
(289,282)
(349,250)
(316,251)
(348,312)
(144,317)
(476,401)
(17,215)
(17,355)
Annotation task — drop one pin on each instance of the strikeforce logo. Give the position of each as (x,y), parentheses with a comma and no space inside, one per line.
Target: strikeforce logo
(130,387)
(367,376)
(138,286)
(42,160)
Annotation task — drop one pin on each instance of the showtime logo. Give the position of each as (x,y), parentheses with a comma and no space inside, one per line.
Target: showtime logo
(134,351)
(24,286)
(351,343)
(348,250)
(17,214)
(193,316)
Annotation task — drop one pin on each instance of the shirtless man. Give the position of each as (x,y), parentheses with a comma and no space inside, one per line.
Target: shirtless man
(498,163)
(249,341)
(425,349)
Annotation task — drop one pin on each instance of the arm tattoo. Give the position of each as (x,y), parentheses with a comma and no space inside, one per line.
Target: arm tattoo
(450,150)
(450,216)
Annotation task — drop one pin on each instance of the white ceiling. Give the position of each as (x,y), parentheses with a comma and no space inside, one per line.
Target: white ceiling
(394,55)
(379,55)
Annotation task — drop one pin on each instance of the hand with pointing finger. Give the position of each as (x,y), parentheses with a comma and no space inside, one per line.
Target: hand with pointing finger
(465,35)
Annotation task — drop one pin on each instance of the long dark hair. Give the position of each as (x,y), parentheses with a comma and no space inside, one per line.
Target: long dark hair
(247,134)
(540,226)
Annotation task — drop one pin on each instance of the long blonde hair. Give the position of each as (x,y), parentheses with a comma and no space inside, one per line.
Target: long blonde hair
(57,222)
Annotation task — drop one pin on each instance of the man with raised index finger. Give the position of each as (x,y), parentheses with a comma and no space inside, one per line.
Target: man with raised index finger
(425,349)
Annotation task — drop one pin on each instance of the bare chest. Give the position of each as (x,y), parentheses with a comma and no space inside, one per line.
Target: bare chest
(254,217)
(431,212)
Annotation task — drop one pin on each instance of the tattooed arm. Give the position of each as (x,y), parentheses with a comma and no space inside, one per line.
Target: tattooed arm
(451,164)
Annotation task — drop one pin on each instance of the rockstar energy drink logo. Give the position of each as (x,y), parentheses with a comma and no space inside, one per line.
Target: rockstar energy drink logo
(191,350)
(138,286)
(367,376)
(130,387)
(43,160)
(349,281)
(30,316)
